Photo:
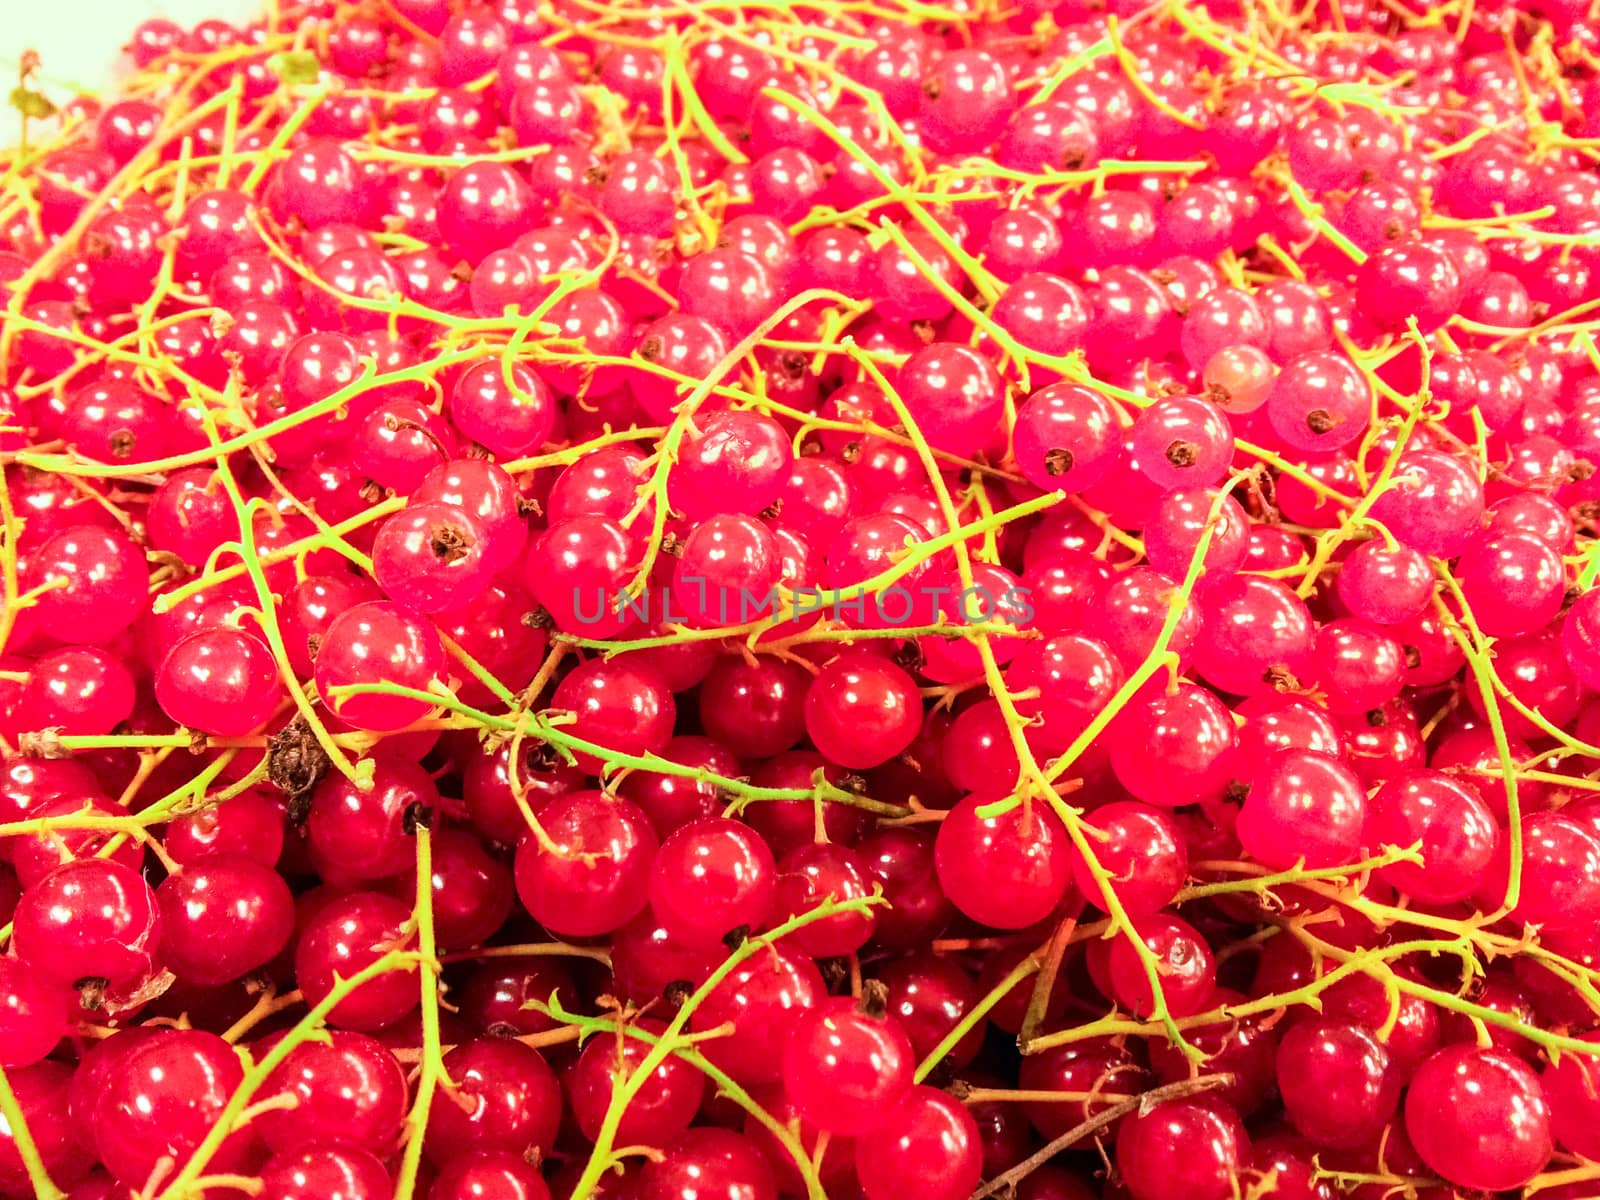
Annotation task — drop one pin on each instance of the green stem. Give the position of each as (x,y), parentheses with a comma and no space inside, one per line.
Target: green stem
(432,1066)
(603,1156)
(44,1188)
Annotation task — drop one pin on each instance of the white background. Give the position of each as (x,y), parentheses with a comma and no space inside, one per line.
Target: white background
(80,41)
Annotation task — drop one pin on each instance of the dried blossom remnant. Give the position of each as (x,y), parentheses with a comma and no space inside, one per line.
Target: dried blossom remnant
(449,543)
(296,761)
(1183,454)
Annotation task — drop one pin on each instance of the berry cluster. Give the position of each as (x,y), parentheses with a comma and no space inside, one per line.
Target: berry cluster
(830,600)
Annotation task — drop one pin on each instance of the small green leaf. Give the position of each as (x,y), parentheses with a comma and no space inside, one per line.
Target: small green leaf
(31,103)
(297,66)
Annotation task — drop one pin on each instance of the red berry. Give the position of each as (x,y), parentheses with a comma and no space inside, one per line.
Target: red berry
(661,1108)
(589,872)
(513,1102)
(221,681)
(376,643)
(929,1141)
(1479,1118)
(712,876)
(1025,846)
(846,1069)
(1182,1150)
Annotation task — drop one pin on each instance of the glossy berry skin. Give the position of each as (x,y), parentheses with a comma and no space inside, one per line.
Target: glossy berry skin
(400,443)
(593,874)
(1245,1047)
(1319,402)
(91,918)
(357,835)
(106,579)
(1409,280)
(1238,379)
(345,936)
(671,801)
(1569,1088)
(325,1173)
(1044,312)
(965,102)
(1479,1118)
(1181,441)
(954,395)
(809,875)
(483,207)
(222,918)
(1066,438)
(659,1111)
(1173,531)
(472,890)
(221,681)
(1142,852)
(350,1089)
(1028,848)
(1253,632)
(514,1101)
(430,557)
(618,706)
(506,409)
(736,462)
(163,1101)
(646,961)
(482,1174)
(727,572)
(32,858)
(1560,872)
(712,876)
(1187,967)
(310,607)
(42,1093)
(1580,638)
(689,346)
(1359,666)
(377,643)
(844,1068)
(708,1163)
(867,546)
(1435,503)
(902,862)
(1455,827)
(80,691)
(33,1014)
(763,997)
(190,516)
(1303,806)
(1173,749)
(490,499)
(730,289)
(1133,610)
(577,570)
(929,1141)
(1385,586)
(495,996)
(862,710)
(1075,677)
(930,994)
(1337,1082)
(1189,1149)
(1514,583)
(969,751)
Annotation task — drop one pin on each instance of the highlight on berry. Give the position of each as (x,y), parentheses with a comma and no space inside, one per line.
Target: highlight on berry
(844,600)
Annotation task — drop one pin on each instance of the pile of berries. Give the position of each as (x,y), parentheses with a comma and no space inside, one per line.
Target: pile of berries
(831,600)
